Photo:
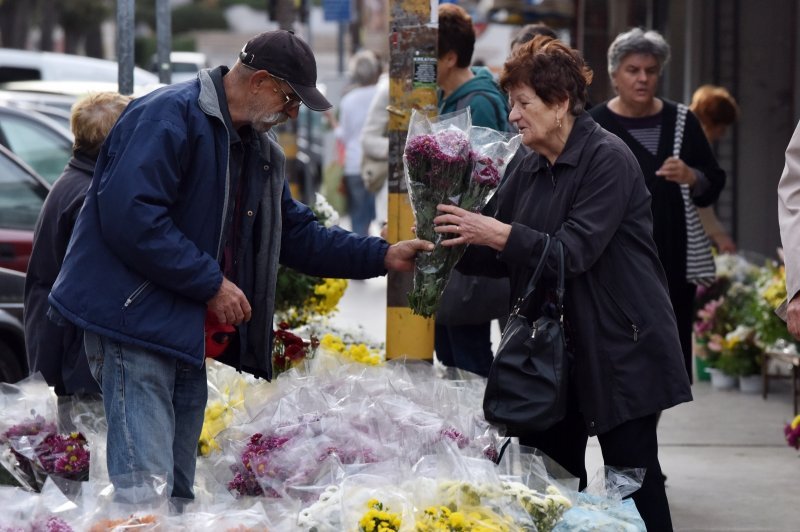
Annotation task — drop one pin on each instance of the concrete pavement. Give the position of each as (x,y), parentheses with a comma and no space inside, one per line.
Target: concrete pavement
(728,466)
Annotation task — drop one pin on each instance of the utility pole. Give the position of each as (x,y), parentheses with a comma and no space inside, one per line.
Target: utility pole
(412,71)
(163,41)
(125,36)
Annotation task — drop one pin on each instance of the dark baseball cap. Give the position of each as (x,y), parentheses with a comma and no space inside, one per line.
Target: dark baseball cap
(285,55)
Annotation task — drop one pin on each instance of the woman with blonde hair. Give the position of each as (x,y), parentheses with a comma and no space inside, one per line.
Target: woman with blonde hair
(57,350)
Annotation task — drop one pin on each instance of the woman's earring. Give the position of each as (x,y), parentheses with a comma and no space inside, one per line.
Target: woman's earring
(558,122)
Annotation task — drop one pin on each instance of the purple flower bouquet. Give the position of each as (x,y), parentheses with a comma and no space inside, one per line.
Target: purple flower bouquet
(40,451)
(447,160)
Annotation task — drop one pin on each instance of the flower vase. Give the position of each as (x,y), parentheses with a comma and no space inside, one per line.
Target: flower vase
(751,383)
(721,380)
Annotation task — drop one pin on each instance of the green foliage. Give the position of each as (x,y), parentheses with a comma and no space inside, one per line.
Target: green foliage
(259,5)
(293,288)
(191,17)
(742,359)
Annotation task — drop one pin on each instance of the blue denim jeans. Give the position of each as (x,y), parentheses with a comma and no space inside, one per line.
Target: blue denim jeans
(154,406)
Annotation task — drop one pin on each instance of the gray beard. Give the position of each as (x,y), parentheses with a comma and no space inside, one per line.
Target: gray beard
(265,124)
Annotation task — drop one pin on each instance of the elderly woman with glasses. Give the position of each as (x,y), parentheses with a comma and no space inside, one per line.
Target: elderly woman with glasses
(582,186)
(677,182)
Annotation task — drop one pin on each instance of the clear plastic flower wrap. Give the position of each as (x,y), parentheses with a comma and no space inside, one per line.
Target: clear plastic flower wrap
(317,426)
(448,160)
(32,447)
(601,506)
(48,511)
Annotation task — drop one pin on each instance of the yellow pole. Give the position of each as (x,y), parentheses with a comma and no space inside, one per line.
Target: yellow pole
(412,71)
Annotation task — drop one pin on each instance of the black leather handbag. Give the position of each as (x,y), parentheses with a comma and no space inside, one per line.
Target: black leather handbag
(527,386)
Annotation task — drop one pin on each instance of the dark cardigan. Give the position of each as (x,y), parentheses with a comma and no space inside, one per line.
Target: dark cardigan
(669,221)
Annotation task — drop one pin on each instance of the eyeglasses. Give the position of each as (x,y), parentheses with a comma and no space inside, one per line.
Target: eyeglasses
(292,100)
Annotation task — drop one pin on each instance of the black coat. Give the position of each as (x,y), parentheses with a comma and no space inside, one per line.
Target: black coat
(54,350)
(620,324)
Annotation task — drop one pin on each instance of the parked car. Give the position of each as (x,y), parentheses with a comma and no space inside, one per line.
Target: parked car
(184,65)
(13,361)
(36,139)
(22,194)
(16,65)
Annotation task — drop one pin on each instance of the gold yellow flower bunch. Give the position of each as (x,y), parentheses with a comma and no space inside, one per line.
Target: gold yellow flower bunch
(219,414)
(445,519)
(774,290)
(326,296)
(360,353)
(379,519)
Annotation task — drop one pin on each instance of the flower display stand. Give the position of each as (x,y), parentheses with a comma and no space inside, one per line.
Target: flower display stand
(721,380)
(751,383)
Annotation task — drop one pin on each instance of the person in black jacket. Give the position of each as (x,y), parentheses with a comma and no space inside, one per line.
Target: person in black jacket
(57,352)
(648,125)
(582,186)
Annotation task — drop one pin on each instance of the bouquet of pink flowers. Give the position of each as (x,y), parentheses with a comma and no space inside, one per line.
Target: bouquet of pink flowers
(448,161)
(39,450)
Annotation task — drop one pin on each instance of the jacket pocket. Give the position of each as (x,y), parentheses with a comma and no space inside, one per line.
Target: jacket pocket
(623,315)
(137,295)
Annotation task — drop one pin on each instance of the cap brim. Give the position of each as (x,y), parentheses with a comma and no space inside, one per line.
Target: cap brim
(312,98)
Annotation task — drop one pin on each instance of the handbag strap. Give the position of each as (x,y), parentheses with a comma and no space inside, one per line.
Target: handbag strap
(537,273)
(560,287)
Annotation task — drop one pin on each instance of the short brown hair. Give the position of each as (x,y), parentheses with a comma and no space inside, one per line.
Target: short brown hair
(551,68)
(714,106)
(92,118)
(456,34)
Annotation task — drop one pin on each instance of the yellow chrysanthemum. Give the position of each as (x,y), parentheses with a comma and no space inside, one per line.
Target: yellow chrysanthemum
(795,422)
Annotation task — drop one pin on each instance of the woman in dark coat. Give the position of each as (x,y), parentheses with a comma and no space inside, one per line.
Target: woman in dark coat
(57,350)
(647,125)
(584,188)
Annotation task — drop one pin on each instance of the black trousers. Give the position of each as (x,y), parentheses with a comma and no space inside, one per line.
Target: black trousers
(633,444)
(681,294)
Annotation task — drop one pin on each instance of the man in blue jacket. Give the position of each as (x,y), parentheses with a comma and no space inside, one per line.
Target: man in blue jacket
(189,213)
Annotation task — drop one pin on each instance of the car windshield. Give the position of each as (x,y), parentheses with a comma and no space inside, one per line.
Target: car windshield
(32,142)
(21,197)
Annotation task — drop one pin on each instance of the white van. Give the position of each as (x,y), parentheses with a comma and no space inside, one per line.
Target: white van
(19,65)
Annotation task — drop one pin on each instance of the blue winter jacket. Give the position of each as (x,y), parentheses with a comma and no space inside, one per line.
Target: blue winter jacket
(144,255)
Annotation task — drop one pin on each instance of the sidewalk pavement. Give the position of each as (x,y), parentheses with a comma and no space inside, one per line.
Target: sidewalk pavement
(728,466)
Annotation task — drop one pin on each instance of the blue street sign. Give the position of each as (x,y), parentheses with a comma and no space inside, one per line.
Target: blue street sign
(336,10)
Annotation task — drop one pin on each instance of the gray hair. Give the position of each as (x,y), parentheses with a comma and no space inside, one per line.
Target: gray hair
(364,68)
(637,41)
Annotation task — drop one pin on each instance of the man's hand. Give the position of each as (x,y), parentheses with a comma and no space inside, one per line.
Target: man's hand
(793,316)
(230,305)
(400,257)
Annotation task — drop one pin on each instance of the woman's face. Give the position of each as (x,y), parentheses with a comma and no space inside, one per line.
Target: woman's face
(636,79)
(534,118)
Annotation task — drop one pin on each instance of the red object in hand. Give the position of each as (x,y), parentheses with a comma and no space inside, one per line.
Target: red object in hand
(218,336)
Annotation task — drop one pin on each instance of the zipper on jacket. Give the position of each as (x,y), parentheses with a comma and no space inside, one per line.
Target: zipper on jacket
(634,327)
(136,293)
